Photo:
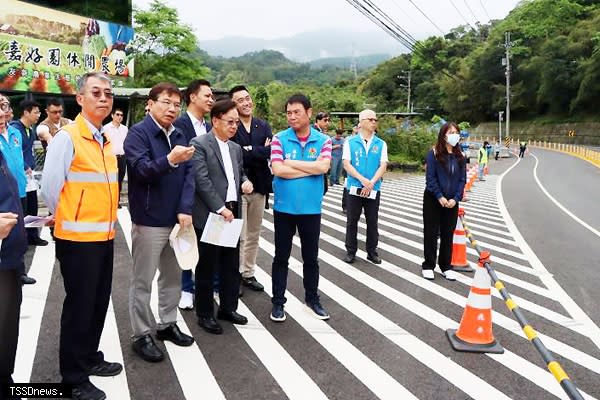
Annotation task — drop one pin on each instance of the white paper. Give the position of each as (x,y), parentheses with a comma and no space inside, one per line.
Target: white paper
(221,233)
(355,191)
(31,221)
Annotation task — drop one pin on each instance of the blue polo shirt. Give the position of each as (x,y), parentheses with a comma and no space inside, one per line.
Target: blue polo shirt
(300,195)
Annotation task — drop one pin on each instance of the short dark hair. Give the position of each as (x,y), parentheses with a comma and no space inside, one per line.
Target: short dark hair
(117,109)
(339,131)
(159,88)
(28,105)
(222,107)
(54,101)
(299,98)
(237,88)
(321,115)
(193,88)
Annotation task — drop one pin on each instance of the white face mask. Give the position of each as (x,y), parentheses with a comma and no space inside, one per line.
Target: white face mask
(452,139)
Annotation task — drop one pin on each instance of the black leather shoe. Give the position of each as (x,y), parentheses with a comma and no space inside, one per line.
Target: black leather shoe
(374,258)
(210,325)
(147,349)
(232,317)
(38,241)
(349,258)
(173,334)
(87,391)
(27,280)
(253,284)
(106,368)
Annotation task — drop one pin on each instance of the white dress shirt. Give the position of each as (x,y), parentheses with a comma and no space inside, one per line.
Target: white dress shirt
(199,125)
(231,189)
(117,135)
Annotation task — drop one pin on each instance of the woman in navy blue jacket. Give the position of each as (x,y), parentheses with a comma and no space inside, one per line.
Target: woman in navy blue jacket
(445,181)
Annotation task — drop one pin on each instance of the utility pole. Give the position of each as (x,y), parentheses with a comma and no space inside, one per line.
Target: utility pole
(506,61)
(500,127)
(406,76)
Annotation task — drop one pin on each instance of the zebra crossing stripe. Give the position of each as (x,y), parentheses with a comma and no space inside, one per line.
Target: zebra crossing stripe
(369,373)
(554,345)
(454,373)
(115,387)
(519,365)
(292,379)
(193,373)
(418,245)
(32,308)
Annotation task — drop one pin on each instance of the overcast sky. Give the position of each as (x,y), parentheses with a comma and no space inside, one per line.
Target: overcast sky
(270,19)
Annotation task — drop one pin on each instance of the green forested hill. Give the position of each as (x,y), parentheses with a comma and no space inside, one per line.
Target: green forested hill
(555,66)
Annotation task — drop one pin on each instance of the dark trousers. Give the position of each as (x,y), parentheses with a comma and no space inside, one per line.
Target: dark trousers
(10,309)
(437,220)
(522,152)
(497,155)
(344,199)
(87,269)
(122,167)
(309,227)
(354,207)
(30,207)
(226,262)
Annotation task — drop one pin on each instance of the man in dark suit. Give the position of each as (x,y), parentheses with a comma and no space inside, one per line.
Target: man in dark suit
(220,181)
(254,135)
(199,100)
(161,193)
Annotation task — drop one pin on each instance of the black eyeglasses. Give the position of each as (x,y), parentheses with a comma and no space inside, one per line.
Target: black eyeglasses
(5,106)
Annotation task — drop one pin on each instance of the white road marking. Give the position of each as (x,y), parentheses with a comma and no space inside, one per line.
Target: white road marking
(593,331)
(369,373)
(454,373)
(193,373)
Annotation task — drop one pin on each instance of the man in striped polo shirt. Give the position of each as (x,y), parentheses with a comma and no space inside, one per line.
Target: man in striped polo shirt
(300,155)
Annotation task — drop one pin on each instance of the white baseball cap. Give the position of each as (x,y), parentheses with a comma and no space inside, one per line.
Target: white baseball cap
(185,246)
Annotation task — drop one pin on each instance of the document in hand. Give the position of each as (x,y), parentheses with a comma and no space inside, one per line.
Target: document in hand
(32,221)
(221,233)
(355,191)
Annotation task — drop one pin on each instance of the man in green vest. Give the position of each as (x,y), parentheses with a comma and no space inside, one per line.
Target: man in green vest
(482,159)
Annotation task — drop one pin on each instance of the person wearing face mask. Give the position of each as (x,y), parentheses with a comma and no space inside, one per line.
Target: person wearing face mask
(445,181)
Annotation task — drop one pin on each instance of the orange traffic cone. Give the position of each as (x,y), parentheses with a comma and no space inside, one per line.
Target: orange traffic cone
(459,246)
(475,331)
(464,196)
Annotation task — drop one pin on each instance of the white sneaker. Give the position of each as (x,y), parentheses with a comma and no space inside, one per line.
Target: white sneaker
(187,301)
(450,275)
(427,274)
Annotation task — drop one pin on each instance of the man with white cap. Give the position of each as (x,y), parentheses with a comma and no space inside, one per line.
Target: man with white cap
(365,160)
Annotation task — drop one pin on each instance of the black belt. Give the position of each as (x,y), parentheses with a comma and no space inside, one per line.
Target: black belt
(231,205)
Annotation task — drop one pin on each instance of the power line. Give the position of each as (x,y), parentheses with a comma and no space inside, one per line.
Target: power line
(485,11)
(471,11)
(461,14)
(369,14)
(426,16)
(369,9)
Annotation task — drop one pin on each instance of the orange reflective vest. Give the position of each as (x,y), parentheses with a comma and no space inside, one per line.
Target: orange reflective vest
(87,205)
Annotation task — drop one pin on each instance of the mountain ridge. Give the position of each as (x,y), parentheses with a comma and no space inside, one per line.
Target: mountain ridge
(309,46)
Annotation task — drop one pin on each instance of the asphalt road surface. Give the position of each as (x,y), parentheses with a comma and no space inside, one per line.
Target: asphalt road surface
(386,336)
